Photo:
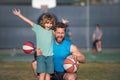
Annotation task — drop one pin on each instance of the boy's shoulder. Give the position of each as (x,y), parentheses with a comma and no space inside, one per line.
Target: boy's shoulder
(34,24)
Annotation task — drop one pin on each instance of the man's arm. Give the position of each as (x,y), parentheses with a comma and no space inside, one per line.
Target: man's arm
(18,13)
(93,37)
(75,52)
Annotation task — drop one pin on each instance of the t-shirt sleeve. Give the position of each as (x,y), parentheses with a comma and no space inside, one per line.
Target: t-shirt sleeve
(36,27)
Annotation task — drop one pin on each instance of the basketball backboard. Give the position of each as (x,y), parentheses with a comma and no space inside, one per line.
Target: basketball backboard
(39,4)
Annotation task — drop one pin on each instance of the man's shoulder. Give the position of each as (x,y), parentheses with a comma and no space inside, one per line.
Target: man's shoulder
(67,42)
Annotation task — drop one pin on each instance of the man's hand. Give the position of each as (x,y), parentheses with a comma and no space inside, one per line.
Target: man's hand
(72,57)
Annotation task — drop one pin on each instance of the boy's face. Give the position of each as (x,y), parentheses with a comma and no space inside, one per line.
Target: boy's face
(97,28)
(48,25)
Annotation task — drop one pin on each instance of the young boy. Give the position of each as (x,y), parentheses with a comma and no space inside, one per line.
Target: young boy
(97,38)
(44,37)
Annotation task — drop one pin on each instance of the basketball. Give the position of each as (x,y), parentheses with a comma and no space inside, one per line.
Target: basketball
(70,65)
(28,47)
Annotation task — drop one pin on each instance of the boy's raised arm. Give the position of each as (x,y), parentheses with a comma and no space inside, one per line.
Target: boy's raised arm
(18,13)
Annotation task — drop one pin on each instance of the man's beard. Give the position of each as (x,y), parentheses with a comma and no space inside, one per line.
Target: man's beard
(59,40)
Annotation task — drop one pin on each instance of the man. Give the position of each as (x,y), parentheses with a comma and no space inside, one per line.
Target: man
(62,49)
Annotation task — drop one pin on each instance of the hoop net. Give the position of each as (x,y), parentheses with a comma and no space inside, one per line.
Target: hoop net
(44,7)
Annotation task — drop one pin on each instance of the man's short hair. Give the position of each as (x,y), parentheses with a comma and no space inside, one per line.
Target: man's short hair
(60,25)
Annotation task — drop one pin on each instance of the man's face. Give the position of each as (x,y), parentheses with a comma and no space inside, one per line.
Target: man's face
(59,34)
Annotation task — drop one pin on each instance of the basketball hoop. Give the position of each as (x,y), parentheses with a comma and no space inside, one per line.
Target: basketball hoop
(44,8)
(43,4)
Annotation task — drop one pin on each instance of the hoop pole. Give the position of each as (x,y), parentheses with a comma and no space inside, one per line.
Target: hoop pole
(87,26)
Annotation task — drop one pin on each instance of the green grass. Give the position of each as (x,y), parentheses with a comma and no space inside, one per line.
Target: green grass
(16,71)
(98,66)
(87,71)
(99,71)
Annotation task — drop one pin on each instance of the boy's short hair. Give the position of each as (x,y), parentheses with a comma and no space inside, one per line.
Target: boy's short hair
(47,17)
(97,25)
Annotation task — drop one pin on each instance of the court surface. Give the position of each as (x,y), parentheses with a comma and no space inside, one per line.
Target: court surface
(107,55)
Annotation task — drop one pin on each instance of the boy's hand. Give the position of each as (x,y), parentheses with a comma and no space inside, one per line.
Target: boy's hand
(16,12)
(39,53)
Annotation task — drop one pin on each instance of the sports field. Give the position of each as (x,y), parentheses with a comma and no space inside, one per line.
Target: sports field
(98,66)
